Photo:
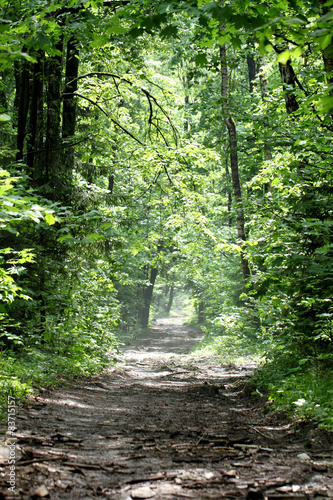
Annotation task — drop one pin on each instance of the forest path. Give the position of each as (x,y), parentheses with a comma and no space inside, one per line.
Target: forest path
(164,425)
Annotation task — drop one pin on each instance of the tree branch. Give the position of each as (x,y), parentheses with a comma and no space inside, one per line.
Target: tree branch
(107,114)
(62,146)
(98,73)
(87,99)
(149,96)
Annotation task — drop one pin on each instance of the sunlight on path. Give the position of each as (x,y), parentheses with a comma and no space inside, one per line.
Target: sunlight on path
(164,424)
(166,337)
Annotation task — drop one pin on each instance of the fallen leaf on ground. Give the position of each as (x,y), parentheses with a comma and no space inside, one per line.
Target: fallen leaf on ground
(303,456)
(143,492)
(4,454)
(231,473)
(41,491)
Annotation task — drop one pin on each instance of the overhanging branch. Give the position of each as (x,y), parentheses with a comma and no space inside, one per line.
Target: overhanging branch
(106,114)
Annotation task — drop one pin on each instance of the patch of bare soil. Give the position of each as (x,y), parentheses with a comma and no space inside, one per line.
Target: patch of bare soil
(165,425)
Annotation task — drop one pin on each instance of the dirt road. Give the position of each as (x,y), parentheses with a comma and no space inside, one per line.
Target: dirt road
(165,425)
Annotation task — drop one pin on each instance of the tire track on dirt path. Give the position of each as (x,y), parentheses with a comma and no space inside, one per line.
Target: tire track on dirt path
(165,425)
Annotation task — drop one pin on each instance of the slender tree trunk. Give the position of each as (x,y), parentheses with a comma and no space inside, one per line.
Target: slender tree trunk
(17,76)
(328,51)
(186,124)
(54,168)
(224,94)
(3,97)
(42,305)
(3,103)
(170,301)
(251,66)
(263,90)
(111,183)
(148,293)
(23,93)
(288,78)
(69,106)
(227,174)
(231,126)
(328,65)
(262,79)
(201,312)
(186,82)
(34,127)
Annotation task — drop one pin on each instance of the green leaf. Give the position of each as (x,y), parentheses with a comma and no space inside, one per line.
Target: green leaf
(296,20)
(28,57)
(117,30)
(201,60)
(297,52)
(325,104)
(100,41)
(50,219)
(326,17)
(326,41)
(67,238)
(283,57)
(169,31)
(4,117)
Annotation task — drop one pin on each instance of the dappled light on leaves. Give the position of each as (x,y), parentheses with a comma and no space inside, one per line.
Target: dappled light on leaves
(162,164)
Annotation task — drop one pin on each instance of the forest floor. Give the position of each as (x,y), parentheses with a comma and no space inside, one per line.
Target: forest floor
(164,424)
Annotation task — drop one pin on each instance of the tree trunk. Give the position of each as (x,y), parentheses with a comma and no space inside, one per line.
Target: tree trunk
(34,118)
(328,65)
(231,126)
(186,81)
(288,78)
(328,51)
(262,79)
(54,168)
(201,312)
(111,183)
(3,97)
(186,124)
(69,106)
(251,65)
(263,90)
(147,296)
(22,91)
(170,301)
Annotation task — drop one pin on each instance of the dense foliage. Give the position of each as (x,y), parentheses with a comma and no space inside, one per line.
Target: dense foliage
(152,147)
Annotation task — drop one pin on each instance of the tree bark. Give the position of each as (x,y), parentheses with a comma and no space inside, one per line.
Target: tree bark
(251,66)
(34,128)
(54,169)
(263,89)
(262,79)
(170,301)
(3,97)
(328,52)
(69,107)
(186,124)
(201,312)
(147,296)
(288,78)
(227,174)
(69,103)
(232,132)
(22,91)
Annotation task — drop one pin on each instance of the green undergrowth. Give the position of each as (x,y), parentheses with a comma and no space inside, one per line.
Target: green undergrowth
(125,337)
(235,349)
(34,369)
(295,380)
(298,384)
